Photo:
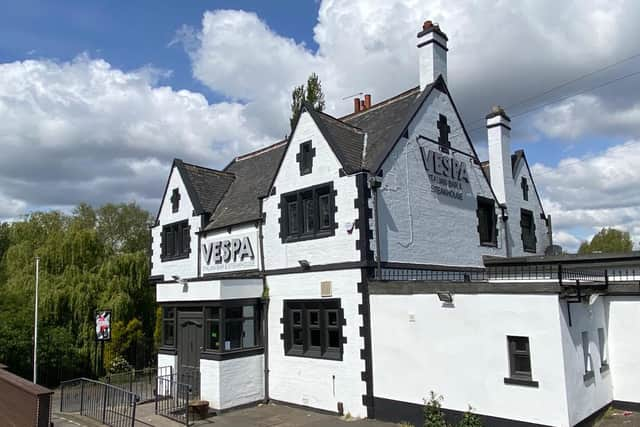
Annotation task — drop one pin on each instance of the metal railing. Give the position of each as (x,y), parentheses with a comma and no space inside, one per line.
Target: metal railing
(141,382)
(103,402)
(554,273)
(172,399)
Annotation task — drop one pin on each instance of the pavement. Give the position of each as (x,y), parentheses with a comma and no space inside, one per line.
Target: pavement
(617,418)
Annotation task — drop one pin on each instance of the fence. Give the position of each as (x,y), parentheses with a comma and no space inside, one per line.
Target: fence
(103,402)
(23,403)
(172,399)
(140,382)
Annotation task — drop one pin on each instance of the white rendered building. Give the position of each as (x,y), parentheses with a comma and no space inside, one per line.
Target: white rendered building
(369,259)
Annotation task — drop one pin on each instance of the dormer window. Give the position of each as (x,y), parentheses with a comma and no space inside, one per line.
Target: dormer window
(305,157)
(525,189)
(175,200)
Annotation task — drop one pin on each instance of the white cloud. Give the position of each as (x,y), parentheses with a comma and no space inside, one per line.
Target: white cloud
(84,131)
(593,192)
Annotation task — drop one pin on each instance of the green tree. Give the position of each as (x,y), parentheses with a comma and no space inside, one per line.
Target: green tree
(312,94)
(607,240)
(469,419)
(433,416)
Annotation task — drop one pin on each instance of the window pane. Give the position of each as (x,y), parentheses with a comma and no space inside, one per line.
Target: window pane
(314,337)
(314,318)
(247,311)
(522,364)
(332,318)
(298,338)
(248,333)
(334,338)
(296,317)
(233,335)
(213,312)
(521,344)
(233,312)
(169,313)
(213,335)
(293,217)
(308,215)
(325,216)
(168,333)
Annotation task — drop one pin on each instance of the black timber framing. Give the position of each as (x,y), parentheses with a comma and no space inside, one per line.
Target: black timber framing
(364,309)
(415,287)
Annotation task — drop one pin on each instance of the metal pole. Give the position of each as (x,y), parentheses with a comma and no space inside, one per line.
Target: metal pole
(35,327)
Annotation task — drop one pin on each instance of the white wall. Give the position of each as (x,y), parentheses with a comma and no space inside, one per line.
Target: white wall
(238,232)
(308,381)
(515,202)
(584,397)
(417,225)
(461,353)
(338,248)
(624,351)
(187,267)
(209,290)
(230,383)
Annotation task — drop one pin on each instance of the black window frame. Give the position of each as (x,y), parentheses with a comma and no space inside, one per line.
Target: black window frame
(175,200)
(528,235)
(313,211)
(169,321)
(305,157)
(515,351)
(524,184)
(175,241)
(491,231)
(308,309)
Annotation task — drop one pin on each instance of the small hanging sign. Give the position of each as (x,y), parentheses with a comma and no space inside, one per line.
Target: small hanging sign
(103,325)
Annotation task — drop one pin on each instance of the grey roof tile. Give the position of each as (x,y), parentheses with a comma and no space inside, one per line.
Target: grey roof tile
(209,185)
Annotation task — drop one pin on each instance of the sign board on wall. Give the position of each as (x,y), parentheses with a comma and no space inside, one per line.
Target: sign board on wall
(229,252)
(103,325)
(448,176)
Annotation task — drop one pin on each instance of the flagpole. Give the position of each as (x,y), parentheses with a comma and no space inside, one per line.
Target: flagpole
(35,326)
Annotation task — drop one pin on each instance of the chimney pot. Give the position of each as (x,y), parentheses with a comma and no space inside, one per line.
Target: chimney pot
(367,101)
(356,105)
(427,25)
(362,105)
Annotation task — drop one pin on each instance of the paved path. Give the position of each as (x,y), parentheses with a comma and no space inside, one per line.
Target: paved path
(618,418)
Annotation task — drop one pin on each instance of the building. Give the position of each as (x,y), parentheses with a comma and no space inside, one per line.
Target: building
(369,259)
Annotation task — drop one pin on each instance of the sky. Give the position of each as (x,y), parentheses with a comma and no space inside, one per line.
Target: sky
(97,98)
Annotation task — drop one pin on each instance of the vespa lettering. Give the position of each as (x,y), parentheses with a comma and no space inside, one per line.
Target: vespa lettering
(447,174)
(228,251)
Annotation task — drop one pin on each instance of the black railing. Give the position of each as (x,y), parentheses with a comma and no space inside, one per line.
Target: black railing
(103,402)
(172,399)
(190,375)
(140,382)
(555,273)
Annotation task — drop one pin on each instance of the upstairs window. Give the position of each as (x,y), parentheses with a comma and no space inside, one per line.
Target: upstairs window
(525,189)
(308,213)
(305,157)
(528,226)
(176,241)
(519,362)
(487,222)
(313,328)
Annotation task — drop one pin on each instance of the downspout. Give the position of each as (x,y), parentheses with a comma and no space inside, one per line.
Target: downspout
(375,183)
(265,310)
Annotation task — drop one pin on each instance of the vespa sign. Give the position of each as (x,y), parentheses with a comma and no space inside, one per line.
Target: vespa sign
(448,176)
(229,253)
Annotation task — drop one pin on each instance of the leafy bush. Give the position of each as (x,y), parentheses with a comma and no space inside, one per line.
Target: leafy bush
(469,419)
(433,416)
(118,365)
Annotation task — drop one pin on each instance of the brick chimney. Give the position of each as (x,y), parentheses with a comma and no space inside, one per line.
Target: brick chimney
(361,104)
(432,46)
(499,137)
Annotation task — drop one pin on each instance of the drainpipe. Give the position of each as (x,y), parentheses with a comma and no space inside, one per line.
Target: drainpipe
(376,183)
(265,310)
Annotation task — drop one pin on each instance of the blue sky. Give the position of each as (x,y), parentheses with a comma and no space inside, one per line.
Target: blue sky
(98,97)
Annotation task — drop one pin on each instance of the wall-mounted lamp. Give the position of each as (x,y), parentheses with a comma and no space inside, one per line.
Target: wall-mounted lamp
(304,264)
(445,297)
(183,282)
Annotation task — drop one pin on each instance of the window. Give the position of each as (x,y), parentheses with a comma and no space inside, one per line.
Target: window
(602,348)
(175,200)
(313,328)
(308,213)
(586,355)
(169,327)
(232,326)
(176,241)
(528,227)
(487,222)
(525,188)
(519,362)
(305,157)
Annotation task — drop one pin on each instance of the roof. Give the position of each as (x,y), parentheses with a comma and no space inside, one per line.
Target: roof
(254,173)
(626,257)
(208,185)
(383,122)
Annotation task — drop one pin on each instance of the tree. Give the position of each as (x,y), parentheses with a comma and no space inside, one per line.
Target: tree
(312,95)
(607,240)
